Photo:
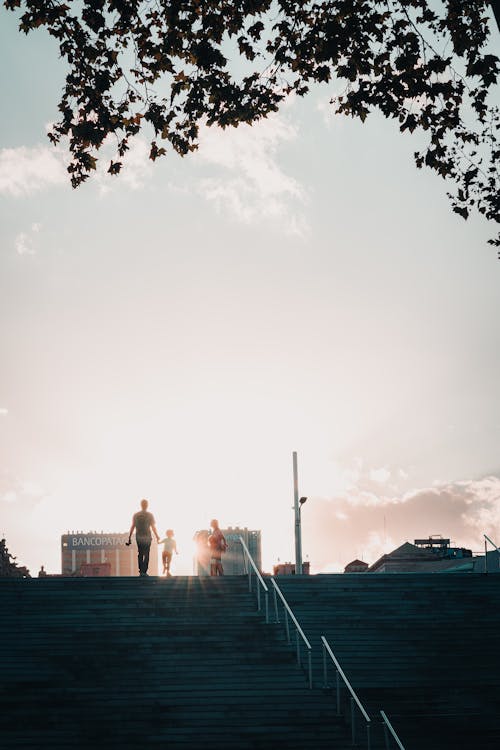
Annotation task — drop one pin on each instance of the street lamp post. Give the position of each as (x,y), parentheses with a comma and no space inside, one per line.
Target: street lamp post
(297,504)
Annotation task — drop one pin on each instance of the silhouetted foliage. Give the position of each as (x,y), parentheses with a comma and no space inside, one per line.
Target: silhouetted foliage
(181,63)
(8,565)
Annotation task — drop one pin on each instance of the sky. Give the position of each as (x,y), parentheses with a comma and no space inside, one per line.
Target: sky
(177,332)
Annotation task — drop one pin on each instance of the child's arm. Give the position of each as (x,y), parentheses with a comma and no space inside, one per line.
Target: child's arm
(155,531)
(161,541)
(175,548)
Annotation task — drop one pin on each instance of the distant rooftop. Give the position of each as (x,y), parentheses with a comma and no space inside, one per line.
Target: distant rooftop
(433,554)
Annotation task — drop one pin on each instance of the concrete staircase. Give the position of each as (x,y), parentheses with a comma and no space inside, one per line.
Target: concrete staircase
(425,648)
(144,663)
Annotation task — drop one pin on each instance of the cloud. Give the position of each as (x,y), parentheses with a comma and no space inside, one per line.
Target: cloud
(243,178)
(250,185)
(482,500)
(325,108)
(24,241)
(381,475)
(326,105)
(137,164)
(31,489)
(24,520)
(365,524)
(13,489)
(136,170)
(24,245)
(25,170)
(333,567)
(3,411)
(377,544)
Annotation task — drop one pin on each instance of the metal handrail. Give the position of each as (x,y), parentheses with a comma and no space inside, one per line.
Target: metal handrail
(298,629)
(260,580)
(354,697)
(388,726)
(491,542)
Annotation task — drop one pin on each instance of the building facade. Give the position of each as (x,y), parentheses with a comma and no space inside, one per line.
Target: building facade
(233,560)
(82,553)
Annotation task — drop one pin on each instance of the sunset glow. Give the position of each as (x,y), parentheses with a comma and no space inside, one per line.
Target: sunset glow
(176,333)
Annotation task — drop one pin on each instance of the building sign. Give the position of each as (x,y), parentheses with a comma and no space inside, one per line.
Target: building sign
(94,541)
(84,551)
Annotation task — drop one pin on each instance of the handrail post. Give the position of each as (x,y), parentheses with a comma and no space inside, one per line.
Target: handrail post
(299,633)
(339,672)
(368,739)
(386,735)
(389,728)
(259,582)
(338,691)
(325,682)
(276,613)
(353,726)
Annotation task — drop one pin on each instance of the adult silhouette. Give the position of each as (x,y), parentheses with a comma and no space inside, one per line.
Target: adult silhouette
(144,523)
(218,545)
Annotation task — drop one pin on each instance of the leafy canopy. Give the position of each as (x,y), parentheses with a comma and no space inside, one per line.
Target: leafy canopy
(178,63)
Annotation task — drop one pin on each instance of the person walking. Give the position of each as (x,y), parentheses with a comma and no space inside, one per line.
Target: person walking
(169,547)
(143,522)
(218,545)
